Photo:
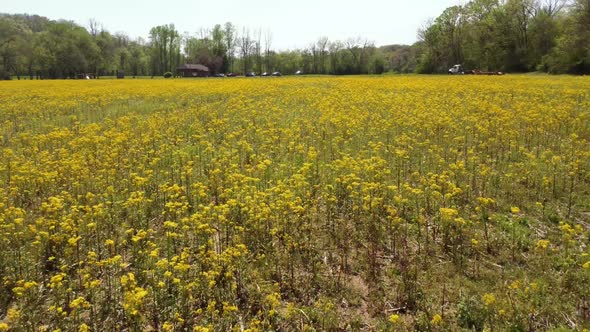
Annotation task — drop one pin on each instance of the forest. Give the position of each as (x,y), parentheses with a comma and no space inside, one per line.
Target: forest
(551,36)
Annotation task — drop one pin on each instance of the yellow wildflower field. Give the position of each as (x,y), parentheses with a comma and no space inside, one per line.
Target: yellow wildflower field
(295,203)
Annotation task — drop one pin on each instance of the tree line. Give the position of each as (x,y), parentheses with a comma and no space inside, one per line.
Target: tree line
(508,35)
(511,35)
(35,47)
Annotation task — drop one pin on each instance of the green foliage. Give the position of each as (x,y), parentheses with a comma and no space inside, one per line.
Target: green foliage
(167,74)
(37,47)
(165,49)
(514,36)
(471,314)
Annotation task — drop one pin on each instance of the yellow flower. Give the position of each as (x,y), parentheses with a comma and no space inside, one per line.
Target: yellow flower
(201,329)
(128,279)
(57,280)
(4,326)
(177,174)
(515,284)
(154,253)
(393,318)
(228,308)
(79,301)
(133,300)
(167,326)
(436,319)
(448,214)
(12,315)
(30,284)
(141,234)
(542,244)
(488,299)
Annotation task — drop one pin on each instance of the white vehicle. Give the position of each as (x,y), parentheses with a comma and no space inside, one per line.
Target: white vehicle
(456,70)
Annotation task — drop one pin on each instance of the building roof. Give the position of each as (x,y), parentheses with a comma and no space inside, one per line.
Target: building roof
(193,67)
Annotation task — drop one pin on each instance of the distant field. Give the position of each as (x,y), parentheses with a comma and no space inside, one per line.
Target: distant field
(296,203)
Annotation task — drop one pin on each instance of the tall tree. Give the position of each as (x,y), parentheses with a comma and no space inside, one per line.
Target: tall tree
(65,50)
(105,61)
(9,33)
(322,45)
(137,58)
(218,48)
(257,50)
(572,52)
(165,43)
(229,35)
(268,51)
(245,44)
(334,49)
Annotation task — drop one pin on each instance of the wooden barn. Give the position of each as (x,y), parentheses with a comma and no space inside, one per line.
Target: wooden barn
(192,70)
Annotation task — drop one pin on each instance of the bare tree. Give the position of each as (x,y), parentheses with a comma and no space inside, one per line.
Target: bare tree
(258,49)
(550,7)
(245,43)
(267,48)
(359,50)
(173,48)
(313,52)
(94,27)
(353,46)
(121,39)
(522,11)
(334,48)
(322,45)
(229,33)
(422,32)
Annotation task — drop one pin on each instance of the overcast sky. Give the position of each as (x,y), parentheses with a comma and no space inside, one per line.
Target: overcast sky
(294,24)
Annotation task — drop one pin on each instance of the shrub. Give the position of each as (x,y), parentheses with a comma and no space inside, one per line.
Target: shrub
(167,74)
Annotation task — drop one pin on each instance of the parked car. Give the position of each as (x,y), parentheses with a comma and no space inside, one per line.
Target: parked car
(219,75)
(232,75)
(251,74)
(299,72)
(276,73)
(456,70)
(265,74)
(459,70)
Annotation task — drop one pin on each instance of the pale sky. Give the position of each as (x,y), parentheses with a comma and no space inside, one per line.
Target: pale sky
(294,24)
